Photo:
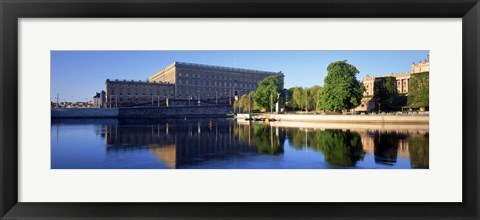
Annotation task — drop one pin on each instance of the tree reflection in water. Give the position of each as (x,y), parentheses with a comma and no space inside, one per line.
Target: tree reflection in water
(386,147)
(267,139)
(342,148)
(418,146)
(346,148)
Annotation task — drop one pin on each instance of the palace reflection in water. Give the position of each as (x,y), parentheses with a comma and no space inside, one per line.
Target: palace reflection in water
(228,144)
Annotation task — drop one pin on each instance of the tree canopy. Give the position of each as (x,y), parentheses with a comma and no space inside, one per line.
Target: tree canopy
(298,98)
(246,102)
(268,91)
(341,88)
(418,94)
(385,92)
(314,97)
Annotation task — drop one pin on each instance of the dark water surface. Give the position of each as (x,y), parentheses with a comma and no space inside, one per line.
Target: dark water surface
(228,144)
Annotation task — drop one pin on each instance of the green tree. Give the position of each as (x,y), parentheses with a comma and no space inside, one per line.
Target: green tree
(418,87)
(291,100)
(267,92)
(243,103)
(298,98)
(341,88)
(314,97)
(385,92)
(250,104)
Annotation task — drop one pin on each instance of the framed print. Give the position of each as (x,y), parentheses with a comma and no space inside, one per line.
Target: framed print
(225,109)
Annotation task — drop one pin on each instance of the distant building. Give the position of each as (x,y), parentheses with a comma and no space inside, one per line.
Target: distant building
(403,80)
(96,100)
(184,81)
(99,100)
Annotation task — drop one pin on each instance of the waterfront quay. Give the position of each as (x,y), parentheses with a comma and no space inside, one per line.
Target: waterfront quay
(393,119)
(223,111)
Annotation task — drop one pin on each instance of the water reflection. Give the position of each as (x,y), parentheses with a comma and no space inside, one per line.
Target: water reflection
(224,143)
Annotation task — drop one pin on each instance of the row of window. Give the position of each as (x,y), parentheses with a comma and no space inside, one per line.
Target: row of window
(247,78)
(223,84)
(209,92)
(136,92)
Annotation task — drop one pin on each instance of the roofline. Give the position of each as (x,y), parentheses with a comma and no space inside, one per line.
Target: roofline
(224,68)
(136,82)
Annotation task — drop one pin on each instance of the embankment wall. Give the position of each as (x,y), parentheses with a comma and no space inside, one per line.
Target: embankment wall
(142,112)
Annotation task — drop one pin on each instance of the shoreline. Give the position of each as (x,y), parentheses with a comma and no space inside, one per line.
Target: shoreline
(362,119)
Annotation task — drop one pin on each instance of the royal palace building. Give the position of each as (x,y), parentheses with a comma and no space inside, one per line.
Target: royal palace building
(402,79)
(185,81)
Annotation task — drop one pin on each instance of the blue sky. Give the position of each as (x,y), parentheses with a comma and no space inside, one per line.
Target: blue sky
(77,75)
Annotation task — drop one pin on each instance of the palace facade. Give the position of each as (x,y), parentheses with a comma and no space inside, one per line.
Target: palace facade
(403,80)
(184,81)
(123,93)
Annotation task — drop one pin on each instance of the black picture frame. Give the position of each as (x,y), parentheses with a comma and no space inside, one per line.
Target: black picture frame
(12,10)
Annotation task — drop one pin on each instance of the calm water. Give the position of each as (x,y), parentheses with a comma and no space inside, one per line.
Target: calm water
(227,144)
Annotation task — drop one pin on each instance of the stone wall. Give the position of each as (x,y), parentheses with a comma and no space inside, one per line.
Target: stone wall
(143,112)
(183,111)
(84,113)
